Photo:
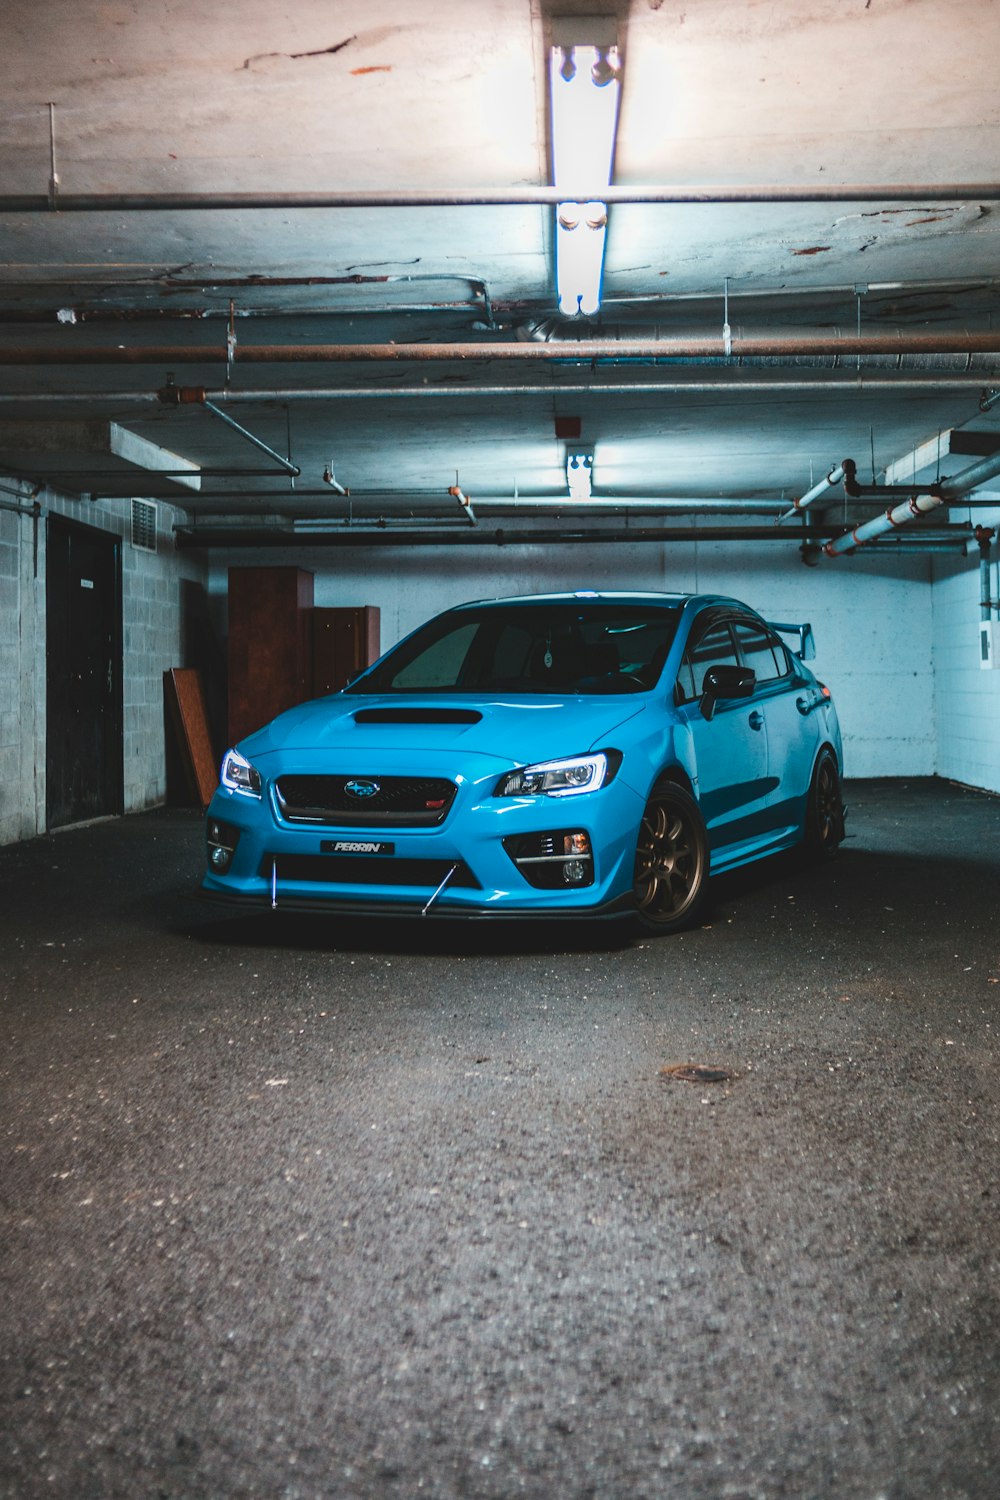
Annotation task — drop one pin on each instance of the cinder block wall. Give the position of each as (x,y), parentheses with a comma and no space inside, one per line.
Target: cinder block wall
(22,665)
(152,622)
(152,598)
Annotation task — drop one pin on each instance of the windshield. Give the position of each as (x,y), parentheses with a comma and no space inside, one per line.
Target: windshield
(577,646)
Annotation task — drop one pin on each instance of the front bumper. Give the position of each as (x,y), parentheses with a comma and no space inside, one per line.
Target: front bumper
(461,868)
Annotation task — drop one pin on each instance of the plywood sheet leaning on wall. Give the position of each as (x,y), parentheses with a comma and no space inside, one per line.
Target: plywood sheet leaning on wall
(186,714)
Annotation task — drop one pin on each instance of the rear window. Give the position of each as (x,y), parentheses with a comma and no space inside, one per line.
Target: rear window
(573,647)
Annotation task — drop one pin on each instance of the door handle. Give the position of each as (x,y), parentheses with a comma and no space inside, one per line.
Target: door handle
(756,720)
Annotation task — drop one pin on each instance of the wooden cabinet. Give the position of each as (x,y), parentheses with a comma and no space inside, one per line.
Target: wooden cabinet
(270,644)
(344,641)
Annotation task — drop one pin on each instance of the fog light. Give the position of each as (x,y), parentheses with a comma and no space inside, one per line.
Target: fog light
(552,860)
(222,839)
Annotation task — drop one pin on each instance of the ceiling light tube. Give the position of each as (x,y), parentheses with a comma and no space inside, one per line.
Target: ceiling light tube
(584,90)
(579,475)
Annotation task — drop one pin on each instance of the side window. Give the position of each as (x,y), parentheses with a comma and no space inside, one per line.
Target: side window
(713,648)
(761,651)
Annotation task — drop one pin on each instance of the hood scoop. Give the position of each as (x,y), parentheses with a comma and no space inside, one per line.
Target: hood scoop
(417,716)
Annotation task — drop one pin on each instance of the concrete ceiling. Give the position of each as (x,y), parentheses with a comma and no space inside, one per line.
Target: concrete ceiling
(861,323)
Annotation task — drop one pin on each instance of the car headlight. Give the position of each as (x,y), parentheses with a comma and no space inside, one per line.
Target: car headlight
(238,775)
(561,778)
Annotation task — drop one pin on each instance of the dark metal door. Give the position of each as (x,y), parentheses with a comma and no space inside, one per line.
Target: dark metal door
(84,760)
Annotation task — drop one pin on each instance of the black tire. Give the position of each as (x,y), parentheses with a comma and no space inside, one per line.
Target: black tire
(671,861)
(824,810)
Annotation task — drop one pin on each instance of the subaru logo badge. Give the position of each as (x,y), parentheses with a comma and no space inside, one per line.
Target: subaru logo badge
(361,788)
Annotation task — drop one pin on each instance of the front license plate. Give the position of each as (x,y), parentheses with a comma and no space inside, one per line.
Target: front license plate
(355,846)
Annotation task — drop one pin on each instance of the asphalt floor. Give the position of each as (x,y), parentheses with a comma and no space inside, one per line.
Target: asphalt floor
(317,1210)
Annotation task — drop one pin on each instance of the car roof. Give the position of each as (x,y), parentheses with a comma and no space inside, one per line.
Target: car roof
(614,596)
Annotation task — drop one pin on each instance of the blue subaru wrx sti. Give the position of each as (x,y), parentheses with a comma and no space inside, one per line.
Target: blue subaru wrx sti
(587,754)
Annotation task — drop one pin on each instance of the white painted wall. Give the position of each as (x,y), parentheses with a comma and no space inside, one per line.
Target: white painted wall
(152,629)
(897,638)
(967,699)
(872,616)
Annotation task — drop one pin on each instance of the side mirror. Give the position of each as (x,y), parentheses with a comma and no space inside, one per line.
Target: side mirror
(725,682)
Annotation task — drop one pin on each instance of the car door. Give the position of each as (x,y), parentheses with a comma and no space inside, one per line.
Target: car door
(789,730)
(730,749)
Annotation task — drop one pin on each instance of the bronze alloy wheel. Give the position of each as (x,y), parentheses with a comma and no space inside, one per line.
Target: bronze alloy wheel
(824,809)
(671,860)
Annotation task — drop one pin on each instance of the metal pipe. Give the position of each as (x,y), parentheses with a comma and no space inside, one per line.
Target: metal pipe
(971,478)
(585,350)
(835,475)
(323,525)
(283,463)
(386,536)
(527,504)
(264,536)
(946,491)
(607,503)
(984,536)
(569,331)
(885,192)
(700,387)
(877,492)
(116,315)
(21,510)
(889,547)
(83,471)
(457,493)
(534,506)
(330,478)
(909,510)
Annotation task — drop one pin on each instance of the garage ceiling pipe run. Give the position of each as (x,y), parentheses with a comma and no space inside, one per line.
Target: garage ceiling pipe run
(885,192)
(712,346)
(948,490)
(848,382)
(344,535)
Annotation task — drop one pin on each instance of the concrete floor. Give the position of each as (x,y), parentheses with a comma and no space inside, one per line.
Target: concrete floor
(295,1209)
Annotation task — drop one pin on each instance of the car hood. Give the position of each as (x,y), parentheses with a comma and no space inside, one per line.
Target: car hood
(512,730)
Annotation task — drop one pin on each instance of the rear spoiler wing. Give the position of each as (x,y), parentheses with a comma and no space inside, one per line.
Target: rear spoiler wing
(807,644)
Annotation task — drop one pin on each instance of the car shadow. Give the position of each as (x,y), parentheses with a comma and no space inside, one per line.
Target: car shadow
(852,892)
(440,934)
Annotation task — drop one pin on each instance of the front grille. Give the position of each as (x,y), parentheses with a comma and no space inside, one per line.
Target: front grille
(399,801)
(333,869)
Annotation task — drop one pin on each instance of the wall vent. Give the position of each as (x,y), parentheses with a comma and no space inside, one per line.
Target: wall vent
(144,525)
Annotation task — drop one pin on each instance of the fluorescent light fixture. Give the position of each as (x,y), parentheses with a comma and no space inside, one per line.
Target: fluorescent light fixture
(579,473)
(584,87)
